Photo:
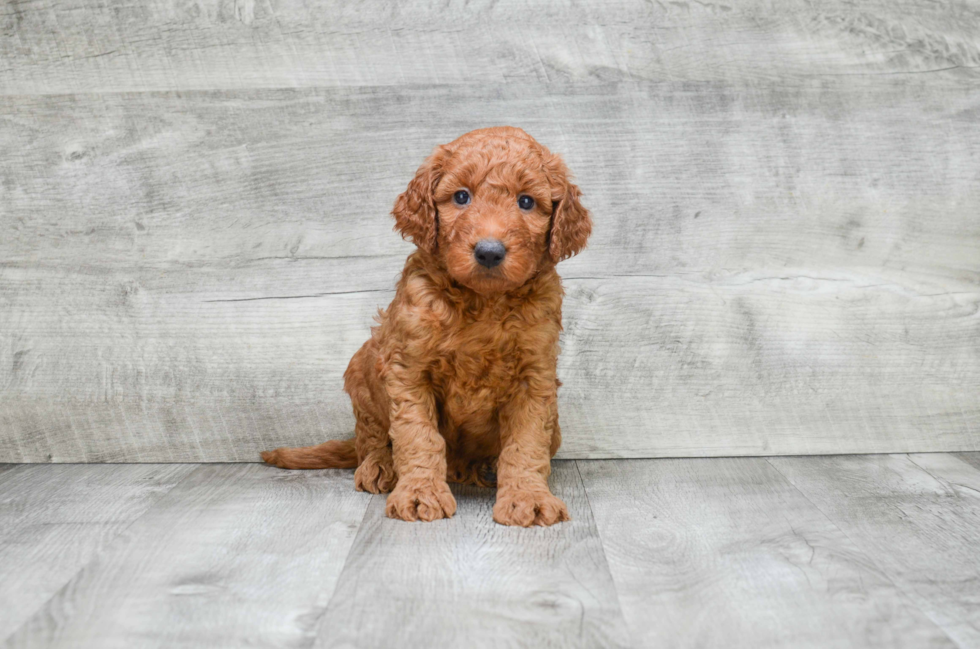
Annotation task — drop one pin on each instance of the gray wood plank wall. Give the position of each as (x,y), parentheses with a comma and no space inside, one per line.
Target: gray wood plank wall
(194,230)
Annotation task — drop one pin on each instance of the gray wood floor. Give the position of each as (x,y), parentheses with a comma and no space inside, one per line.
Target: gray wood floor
(827,551)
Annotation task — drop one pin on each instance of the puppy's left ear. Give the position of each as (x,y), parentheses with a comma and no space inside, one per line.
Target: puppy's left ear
(571,224)
(415,209)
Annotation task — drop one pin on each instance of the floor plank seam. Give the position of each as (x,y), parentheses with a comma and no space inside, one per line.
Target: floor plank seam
(343,571)
(602,548)
(812,504)
(947,484)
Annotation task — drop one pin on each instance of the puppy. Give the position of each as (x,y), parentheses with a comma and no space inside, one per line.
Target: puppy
(458,381)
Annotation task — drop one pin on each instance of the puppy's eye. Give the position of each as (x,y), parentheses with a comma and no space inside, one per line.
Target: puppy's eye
(525,202)
(462,197)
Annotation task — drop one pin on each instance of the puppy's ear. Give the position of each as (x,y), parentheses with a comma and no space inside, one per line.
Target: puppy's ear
(415,208)
(571,224)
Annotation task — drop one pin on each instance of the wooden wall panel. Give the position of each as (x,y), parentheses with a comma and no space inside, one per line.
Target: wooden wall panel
(786,256)
(70,46)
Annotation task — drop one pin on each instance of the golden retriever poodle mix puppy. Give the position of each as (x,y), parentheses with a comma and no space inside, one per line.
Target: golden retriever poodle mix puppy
(458,381)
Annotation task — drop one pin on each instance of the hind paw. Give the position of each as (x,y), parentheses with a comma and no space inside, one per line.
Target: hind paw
(376,473)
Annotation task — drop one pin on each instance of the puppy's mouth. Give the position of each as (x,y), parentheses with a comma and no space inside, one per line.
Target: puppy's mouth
(488,280)
(496,272)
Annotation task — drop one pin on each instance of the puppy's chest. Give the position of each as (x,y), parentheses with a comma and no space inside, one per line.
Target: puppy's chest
(478,360)
(481,359)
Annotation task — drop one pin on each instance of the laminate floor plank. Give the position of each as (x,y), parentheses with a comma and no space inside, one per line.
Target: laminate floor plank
(972,458)
(55,518)
(725,552)
(836,551)
(917,516)
(468,581)
(236,555)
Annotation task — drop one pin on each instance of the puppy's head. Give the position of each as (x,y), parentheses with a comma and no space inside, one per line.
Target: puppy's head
(496,207)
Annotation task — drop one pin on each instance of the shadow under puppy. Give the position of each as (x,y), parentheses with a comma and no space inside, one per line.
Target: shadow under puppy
(458,381)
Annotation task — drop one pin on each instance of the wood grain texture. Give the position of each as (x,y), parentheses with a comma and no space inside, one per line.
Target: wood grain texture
(111,46)
(55,519)
(725,552)
(470,581)
(775,268)
(236,555)
(193,201)
(916,517)
(695,552)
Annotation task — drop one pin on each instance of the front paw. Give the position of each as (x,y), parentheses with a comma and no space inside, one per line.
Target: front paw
(420,498)
(528,507)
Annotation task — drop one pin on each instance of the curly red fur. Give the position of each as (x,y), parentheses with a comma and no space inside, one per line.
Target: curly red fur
(458,380)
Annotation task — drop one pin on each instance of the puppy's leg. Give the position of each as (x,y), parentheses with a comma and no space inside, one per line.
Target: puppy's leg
(419,452)
(527,431)
(362,381)
(552,428)
(376,471)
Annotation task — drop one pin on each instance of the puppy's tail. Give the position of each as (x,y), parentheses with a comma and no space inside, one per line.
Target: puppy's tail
(335,454)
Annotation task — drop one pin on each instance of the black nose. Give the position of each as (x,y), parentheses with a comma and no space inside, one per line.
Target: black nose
(489,252)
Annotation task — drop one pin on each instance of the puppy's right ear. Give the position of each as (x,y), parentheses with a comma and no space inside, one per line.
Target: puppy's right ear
(415,209)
